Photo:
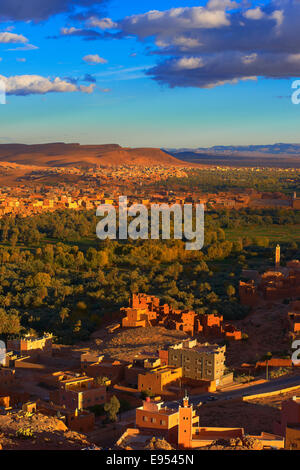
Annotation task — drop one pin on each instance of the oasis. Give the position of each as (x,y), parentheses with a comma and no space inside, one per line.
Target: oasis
(134,221)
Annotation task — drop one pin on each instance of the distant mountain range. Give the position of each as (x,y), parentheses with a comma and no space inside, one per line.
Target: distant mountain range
(60,154)
(285,155)
(76,155)
(274,149)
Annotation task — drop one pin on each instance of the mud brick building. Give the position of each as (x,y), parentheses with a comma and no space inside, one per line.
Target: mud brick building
(140,366)
(7,377)
(82,421)
(274,284)
(182,428)
(112,369)
(212,325)
(79,393)
(198,361)
(142,311)
(30,345)
(145,311)
(289,424)
(153,415)
(156,380)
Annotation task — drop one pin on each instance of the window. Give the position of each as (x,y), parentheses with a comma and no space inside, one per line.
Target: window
(145,418)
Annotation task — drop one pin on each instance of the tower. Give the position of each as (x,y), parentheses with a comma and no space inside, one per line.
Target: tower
(277,256)
(185,423)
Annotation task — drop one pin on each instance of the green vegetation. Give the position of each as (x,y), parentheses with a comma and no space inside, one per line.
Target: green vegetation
(213,180)
(57,276)
(147,394)
(271,233)
(112,408)
(25,433)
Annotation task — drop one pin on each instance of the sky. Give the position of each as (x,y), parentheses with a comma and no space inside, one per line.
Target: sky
(164,73)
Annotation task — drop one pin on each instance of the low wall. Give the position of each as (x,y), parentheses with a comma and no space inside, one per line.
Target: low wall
(243,385)
(270,394)
(24,363)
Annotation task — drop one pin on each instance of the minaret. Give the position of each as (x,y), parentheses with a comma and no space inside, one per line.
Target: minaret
(277,256)
(185,423)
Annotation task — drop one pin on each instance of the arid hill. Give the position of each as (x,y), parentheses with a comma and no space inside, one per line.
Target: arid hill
(46,433)
(61,154)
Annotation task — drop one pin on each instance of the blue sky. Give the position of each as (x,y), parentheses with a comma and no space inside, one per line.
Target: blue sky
(113,72)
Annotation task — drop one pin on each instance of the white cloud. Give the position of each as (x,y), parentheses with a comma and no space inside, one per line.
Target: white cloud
(68,31)
(254,14)
(102,23)
(186,42)
(173,21)
(220,43)
(94,59)
(278,16)
(23,85)
(87,88)
(221,5)
(8,38)
(190,63)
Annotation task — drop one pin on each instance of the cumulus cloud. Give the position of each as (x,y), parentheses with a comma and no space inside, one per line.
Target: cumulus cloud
(89,26)
(254,14)
(23,85)
(102,23)
(222,5)
(94,59)
(38,10)
(189,63)
(7,38)
(173,22)
(222,42)
(85,33)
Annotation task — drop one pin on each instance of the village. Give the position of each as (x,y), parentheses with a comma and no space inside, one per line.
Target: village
(129,403)
(26,191)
